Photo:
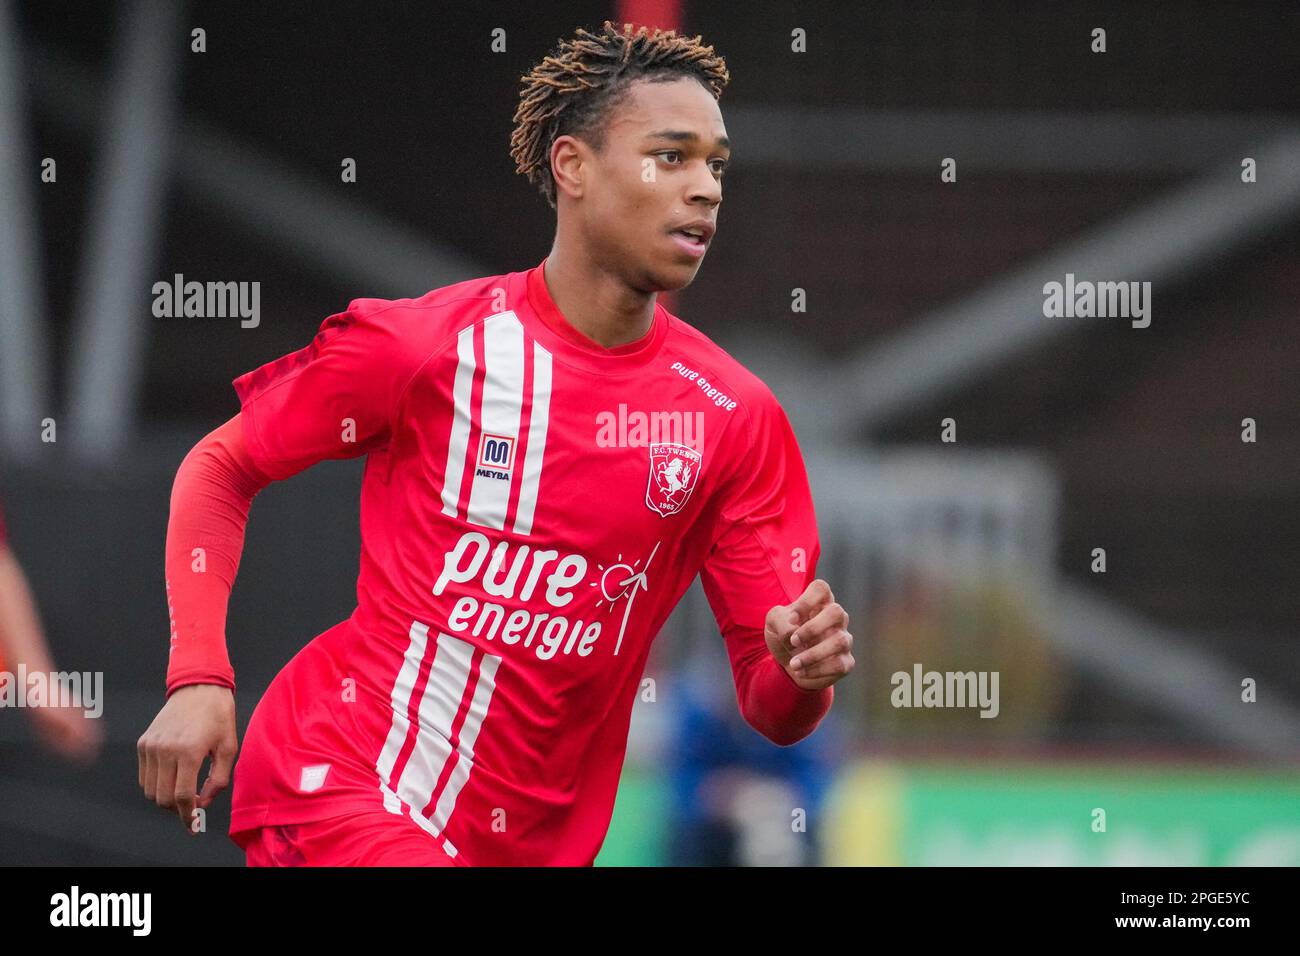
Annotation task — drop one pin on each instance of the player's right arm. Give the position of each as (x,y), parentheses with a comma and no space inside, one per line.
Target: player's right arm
(214,487)
(333,399)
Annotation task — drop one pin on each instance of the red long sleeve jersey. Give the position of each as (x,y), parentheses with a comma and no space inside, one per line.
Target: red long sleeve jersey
(533,507)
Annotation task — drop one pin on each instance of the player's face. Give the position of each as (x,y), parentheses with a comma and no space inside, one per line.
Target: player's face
(659,173)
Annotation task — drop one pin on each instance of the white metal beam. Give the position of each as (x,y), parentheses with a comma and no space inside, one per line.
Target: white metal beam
(1163,243)
(1157,666)
(110,334)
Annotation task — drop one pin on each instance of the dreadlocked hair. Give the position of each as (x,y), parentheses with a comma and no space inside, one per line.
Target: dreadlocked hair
(572,90)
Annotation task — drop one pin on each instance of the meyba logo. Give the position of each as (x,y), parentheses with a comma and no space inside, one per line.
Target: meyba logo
(923,688)
(1085,299)
(496,456)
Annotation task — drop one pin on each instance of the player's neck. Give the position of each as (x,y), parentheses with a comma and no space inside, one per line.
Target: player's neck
(596,303)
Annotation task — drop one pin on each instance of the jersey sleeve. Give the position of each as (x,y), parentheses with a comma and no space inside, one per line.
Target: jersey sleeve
(766,548)
(765,554)
(211,496)
(335,398)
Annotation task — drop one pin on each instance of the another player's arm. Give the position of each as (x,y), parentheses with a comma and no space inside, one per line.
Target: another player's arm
(21,640)
(67,730)
(211,495)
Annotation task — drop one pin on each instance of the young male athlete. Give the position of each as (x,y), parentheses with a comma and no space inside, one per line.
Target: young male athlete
(551,459)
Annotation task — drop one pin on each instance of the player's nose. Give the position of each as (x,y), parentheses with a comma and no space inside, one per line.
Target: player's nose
(705,188)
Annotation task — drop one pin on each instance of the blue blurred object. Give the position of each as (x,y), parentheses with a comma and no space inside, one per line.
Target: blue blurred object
(734,792)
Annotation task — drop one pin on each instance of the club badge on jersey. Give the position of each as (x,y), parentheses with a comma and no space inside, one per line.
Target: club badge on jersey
(674,471)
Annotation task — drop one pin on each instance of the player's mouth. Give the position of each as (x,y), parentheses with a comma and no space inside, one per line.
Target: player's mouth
(693,237)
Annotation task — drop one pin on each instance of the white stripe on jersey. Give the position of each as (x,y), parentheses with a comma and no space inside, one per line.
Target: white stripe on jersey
(448,675)
(391,801)
(500,412)
(458,443)
(502,402)
(443,693)
(478,707)
(400,698)
(533,454)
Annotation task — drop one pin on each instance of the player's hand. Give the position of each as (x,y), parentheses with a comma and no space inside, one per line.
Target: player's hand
(198,721)
(810,638)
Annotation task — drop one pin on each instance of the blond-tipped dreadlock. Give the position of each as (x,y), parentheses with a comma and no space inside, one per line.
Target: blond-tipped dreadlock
(572,90)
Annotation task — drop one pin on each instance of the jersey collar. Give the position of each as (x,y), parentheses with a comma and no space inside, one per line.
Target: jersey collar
(556,333)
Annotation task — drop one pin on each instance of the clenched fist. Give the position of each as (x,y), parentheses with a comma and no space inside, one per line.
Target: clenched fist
(810,638)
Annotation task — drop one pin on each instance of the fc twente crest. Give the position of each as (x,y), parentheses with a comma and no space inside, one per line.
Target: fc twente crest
(673,473)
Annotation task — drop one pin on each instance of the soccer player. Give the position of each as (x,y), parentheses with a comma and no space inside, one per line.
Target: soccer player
(552,457)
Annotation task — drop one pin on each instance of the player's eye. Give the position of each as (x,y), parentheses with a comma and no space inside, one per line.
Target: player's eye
(670,152)
(719,166)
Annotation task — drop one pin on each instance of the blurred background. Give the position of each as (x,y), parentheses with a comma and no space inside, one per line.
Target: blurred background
(1104,514)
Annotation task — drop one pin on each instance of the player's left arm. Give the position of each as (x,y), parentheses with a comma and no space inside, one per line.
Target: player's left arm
(787,637)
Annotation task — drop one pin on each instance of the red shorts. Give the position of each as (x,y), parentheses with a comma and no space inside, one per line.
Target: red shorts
(378,838)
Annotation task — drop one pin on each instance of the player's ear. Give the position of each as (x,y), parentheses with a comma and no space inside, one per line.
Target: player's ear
(568,166)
